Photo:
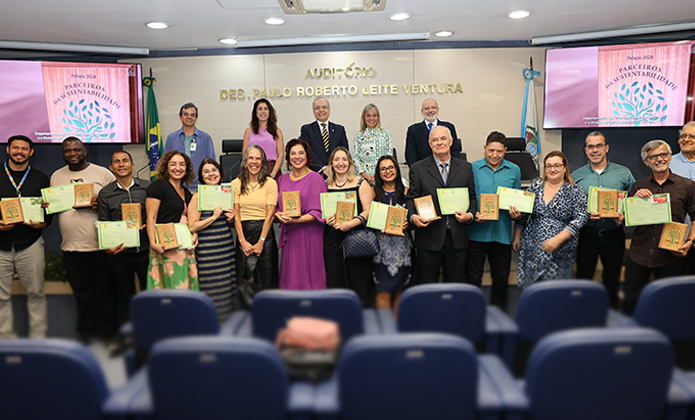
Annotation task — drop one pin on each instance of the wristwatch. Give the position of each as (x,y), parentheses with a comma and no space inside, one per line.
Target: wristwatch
(263,239)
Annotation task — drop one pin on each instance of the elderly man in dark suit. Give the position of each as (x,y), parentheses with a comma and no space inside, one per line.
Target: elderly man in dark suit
(323,136)
(417,145)
(441,244)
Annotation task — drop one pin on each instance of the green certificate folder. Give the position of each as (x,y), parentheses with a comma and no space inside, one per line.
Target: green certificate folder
(452,200)
(522,200)
(184,236)
(329,201)
(112,234)
(211,196)
(60,197)
(378,213)
(648,211)
(31,208)
(592,205)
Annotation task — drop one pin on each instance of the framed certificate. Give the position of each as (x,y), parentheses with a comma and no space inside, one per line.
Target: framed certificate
(648,211)
(12,211)
(329,202)
(452,200)
(489,207)
(395,220)
(31,208)
(344,211)
(112,234)
(379,217)
(522,200)
(592,202)
(211,196)
(672,236)
(60,198)
(425,208)
(291,204)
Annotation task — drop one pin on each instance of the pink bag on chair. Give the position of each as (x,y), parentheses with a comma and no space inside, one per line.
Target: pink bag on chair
(309,334)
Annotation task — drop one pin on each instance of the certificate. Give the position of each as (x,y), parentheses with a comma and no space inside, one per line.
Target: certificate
(378,213)
(112,234)
(592,204)
(211,196)
(329,202)
(452,200)
(522,200)
(31,207)
(648,211)
(184,236)
(60,197)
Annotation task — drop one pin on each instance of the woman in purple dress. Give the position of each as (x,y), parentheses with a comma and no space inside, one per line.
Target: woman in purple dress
(301,238)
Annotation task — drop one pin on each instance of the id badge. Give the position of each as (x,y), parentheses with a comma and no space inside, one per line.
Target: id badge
(193,146)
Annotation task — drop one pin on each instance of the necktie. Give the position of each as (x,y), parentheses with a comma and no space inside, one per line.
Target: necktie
(444,171)
(324,134)
(429,125)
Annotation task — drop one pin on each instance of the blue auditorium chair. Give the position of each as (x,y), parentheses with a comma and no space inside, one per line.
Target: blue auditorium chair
(553,306)
(54,379)
(602,374)
(411,376)
(458,309)
(271,309)
(218,378)
(166,313)
(668,306)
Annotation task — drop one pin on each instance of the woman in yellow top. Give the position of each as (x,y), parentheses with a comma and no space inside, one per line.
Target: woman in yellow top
(255,199)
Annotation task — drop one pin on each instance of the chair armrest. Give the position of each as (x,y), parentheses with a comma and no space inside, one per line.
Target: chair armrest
(131,363)
(300,400)
(386,321)
(231,325)
(493,335)
(142,407)
(371,323)
(680,396)
(117,405)
(514,402)
(508,332)
(617,320)
(245,328)
(326,401)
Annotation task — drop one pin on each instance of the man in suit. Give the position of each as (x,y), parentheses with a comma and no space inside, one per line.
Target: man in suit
(323,136)
(417,145)
(443,243)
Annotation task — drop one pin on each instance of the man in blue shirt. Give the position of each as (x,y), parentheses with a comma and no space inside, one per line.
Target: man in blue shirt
(197,144)
(602,237)
(683,164)
(493,238)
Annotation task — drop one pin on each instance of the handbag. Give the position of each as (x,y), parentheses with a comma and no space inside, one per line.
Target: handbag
(309,347)
(361,243)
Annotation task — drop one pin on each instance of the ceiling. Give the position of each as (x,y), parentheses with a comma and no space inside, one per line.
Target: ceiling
(201,23)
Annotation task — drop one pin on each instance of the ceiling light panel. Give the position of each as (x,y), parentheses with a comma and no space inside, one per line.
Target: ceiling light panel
(331,6)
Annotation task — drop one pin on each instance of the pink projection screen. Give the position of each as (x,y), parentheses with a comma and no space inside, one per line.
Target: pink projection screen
(643,85)
(49,101)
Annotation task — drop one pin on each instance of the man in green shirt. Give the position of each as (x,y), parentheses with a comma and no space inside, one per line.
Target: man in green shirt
(602,237)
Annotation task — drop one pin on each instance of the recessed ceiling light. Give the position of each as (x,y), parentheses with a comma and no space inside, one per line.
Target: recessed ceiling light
(229,41)
(519,14)
(443,33)
(399,16)
(274,21)
(157,25)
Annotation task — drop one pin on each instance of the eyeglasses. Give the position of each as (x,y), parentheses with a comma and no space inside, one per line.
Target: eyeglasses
(684,136)
(555,166)
(663,156)
(387,168)
(595,146)
(319,107)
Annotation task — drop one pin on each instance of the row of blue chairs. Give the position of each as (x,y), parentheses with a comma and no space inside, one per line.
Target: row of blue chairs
(597,374)
(667,306)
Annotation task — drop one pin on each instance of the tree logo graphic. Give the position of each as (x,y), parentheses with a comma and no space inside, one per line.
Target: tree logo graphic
(169,237)
(292,204)
(644,105)
(489,206)
(13,212)
(344,214)
(131,216)
(396,219)
(608,204)
(88,121)
(674,235)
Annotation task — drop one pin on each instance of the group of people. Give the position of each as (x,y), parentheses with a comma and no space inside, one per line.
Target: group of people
(454,247)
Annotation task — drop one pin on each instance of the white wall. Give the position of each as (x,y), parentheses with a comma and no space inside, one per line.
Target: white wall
(491,81)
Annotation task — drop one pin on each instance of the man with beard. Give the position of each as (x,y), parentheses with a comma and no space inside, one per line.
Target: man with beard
(84,262)
(683,164)
(645,257)
(21,244)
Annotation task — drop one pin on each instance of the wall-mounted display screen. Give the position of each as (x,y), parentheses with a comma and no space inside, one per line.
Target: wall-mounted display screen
(49,101)
(639,85)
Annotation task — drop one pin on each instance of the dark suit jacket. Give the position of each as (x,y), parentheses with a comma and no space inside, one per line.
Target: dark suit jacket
(311,133)
(425,178)
(417,142)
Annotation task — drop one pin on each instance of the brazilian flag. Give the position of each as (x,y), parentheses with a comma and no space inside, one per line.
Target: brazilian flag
(154,131)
